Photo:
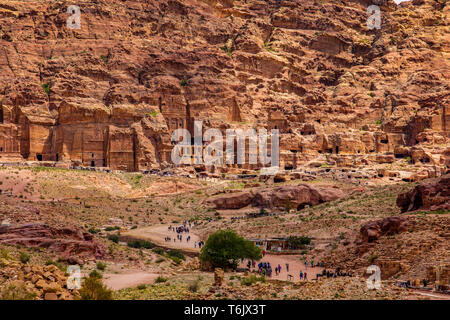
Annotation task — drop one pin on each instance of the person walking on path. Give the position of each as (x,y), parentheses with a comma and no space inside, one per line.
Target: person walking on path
(301,275)
(287,267)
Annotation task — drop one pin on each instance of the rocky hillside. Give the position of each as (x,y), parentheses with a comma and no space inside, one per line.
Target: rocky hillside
(111,93)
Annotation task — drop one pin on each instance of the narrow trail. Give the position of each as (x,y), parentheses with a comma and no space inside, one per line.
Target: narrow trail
(433,296)
(128,280)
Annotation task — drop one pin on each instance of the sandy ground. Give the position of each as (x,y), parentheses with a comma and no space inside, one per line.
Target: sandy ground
(295,266)
(128,280)
(157,234)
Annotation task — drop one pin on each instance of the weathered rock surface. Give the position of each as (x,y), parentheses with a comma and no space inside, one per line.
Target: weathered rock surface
(289,196)
(111,93)
(69,243)
(233,201)
(375,229)
(432,195)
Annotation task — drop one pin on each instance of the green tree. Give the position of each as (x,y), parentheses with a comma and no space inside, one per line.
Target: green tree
(224,248)
(298,242)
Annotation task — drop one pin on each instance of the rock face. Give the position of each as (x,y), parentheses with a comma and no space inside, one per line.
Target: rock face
(69,243)
(427,196)
(292,196)
(375,229)
(232,201)
(112,92)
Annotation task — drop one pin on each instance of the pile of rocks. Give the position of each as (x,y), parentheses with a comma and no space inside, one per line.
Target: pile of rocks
(40,282)
(192,265)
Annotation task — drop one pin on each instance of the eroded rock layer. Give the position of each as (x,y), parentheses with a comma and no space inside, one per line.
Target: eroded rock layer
(284,197)
(110,93)
(71,244)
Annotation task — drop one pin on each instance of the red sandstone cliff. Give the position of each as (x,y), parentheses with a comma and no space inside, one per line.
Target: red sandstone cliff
(110,93)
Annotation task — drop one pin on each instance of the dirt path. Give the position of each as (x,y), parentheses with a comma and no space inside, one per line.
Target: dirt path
(158,233)
(128,280)
(433,296)
(295,265)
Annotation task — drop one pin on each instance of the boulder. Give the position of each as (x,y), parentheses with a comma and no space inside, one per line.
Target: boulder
(294,196)
(67,242)
(373,230)
(232,201)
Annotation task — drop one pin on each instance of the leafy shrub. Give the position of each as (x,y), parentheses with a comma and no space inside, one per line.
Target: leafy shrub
(158,250)
(112,228)
(114,238)
(101,266)
(140,244)
(298,242)
(94,289)
(176,260)
(372,258)
(160,279)
(95,274)
(93,230)
(4,254)
(46,87)
(176,253)
(23,257)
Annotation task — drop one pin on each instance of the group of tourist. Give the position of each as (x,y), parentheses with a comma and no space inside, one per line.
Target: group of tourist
(201,243)
(180,229)
(318,264)
(265,268)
